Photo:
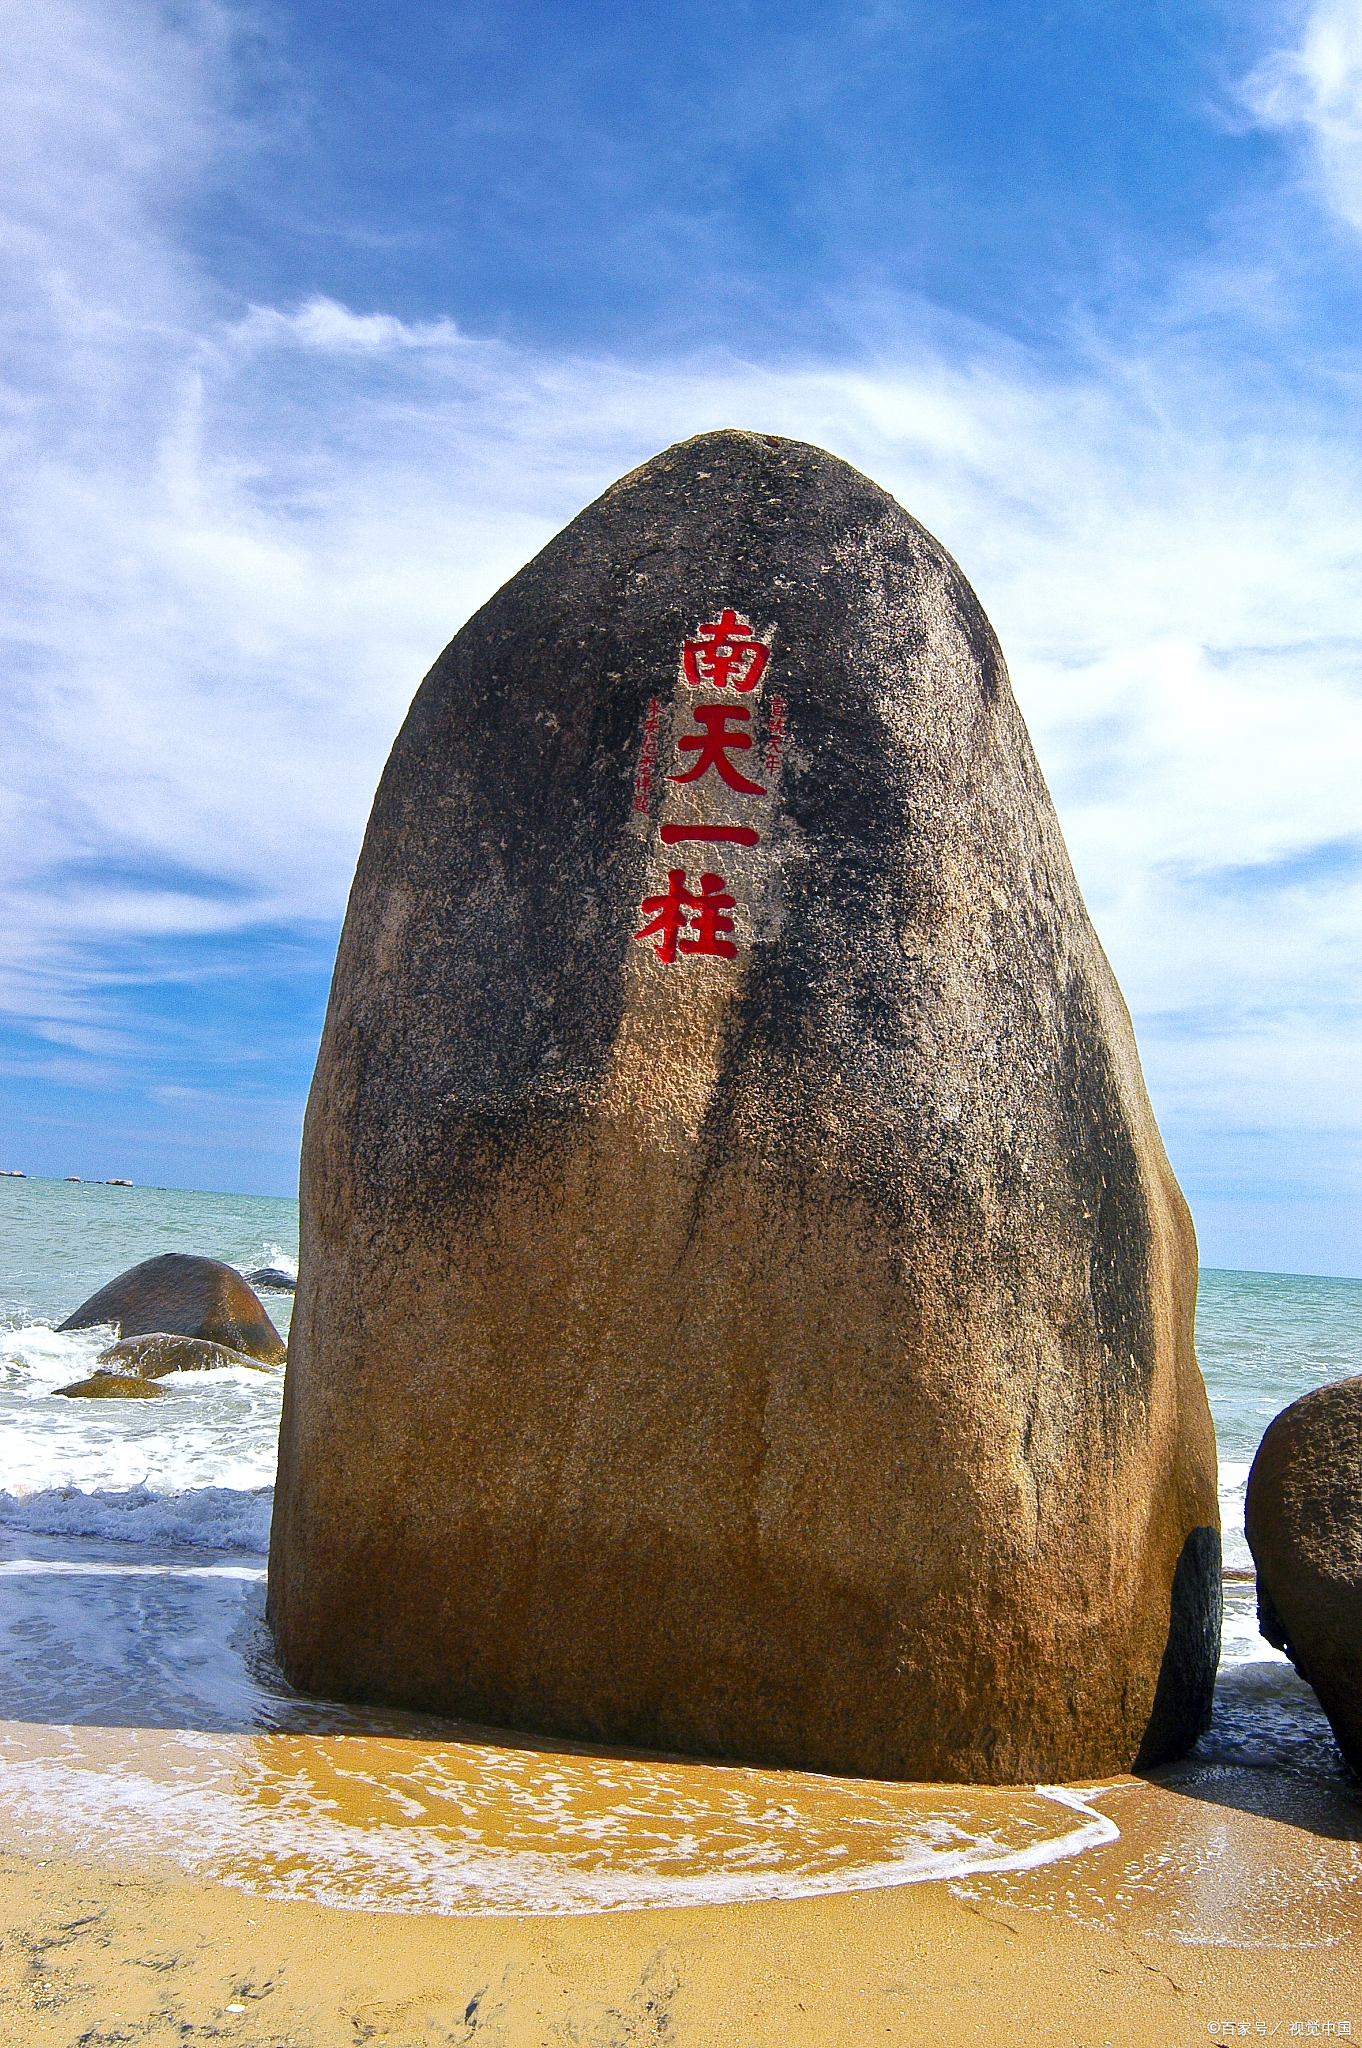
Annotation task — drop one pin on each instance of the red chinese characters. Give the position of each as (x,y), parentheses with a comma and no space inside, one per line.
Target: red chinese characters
(775,735)
(723,652)
(683,923)
(713,745)
(647,760)
(733,835)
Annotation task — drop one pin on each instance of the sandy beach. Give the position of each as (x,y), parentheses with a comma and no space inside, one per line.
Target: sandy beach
(1229,1902)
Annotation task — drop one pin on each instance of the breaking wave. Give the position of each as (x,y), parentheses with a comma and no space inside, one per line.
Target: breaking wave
(210,1517)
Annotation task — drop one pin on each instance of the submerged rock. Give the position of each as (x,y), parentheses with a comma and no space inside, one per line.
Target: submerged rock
(745,1307)
(188,1296)
(273,1277)
(110,1386)
(161,1352)
(1303,1519)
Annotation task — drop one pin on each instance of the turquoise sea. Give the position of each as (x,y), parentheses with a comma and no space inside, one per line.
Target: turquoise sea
(133,1538)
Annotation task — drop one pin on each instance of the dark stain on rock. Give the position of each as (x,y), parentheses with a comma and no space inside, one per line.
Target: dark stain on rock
(1107,1192)
(1186,1689)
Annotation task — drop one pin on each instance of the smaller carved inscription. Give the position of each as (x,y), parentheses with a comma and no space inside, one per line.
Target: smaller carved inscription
(647,760)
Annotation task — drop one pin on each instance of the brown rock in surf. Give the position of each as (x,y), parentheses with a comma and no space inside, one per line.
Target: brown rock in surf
(1303,1519)
(744,1304)
(110,1386)
(160,1353)
(185,1296)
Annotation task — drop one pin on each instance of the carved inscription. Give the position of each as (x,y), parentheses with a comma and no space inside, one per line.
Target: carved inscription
(717,790)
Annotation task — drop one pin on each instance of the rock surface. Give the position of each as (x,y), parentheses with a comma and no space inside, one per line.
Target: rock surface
(160,1353)
(1303,1519)
(744,1307)
(186,1296)
(110,1386)
(273,1277)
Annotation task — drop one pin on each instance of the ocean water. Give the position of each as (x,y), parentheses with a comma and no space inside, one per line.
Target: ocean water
(92,1468)
(141,1712)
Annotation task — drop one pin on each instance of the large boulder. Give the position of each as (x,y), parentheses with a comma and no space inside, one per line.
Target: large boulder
(186,1296)
(1303,1519)
(745,1307)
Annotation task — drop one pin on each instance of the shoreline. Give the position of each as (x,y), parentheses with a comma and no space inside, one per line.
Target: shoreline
(175,1825)
(1209,1894)
(1205,1913)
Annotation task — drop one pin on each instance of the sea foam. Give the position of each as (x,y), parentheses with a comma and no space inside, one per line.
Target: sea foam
(199,1460)
(472,1828)
(210,1517)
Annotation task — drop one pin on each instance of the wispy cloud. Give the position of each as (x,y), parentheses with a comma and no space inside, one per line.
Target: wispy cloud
(235,540)
(323,325)
(1313,84)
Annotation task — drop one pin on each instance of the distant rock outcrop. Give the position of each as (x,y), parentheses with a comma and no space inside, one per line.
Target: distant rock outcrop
(186,1296)
(745,1306)
(1303,1519)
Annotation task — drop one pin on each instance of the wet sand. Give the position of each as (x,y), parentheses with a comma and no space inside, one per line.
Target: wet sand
(1229,1895)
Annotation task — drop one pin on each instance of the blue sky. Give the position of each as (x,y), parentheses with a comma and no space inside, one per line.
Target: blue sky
(322,319)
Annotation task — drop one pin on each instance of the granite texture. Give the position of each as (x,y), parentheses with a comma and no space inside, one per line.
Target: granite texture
(782,1350)
(1303,1519)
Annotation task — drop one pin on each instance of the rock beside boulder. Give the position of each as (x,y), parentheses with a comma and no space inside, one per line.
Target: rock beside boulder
(111,1386)
(160,1353)
(180,1294)
(745,1307)
(1303,1519)
(274,1278)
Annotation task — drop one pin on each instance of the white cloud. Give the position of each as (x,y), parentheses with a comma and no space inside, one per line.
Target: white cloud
(234,543)
(324,325)
(1315,84)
